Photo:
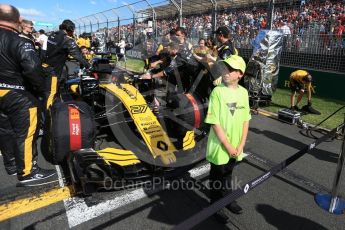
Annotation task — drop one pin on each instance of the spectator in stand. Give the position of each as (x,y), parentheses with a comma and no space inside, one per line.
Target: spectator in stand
(284,28)
(340,34)
(246,22)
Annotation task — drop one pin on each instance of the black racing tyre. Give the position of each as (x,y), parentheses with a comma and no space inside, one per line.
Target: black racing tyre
(46,145)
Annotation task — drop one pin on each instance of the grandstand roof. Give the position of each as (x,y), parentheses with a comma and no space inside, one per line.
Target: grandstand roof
(199,6)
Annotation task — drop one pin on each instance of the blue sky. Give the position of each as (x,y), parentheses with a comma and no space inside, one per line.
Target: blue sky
(55,11)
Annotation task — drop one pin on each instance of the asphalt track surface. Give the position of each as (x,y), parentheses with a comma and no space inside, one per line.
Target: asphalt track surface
(285,201)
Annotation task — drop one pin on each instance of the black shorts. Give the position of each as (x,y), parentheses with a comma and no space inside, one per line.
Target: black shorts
(296,86)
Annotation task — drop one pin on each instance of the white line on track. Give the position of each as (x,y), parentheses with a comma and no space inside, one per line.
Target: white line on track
(78,211)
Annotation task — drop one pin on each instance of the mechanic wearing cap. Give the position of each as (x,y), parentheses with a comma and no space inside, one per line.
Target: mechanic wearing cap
(228,114)
(298,79)
(224,50)
(60,44)
(19,111)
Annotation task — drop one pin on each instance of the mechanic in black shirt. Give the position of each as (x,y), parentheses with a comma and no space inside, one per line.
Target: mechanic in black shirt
(225,49)
(19,112)
(60,44)
(183,67)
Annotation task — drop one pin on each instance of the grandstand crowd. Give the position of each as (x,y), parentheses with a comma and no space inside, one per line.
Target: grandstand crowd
(326,19)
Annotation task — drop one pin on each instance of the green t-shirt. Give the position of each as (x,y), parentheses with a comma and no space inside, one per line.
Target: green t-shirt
(230,109)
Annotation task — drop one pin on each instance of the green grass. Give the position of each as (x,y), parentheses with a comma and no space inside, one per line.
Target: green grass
(134,65)
(281,99)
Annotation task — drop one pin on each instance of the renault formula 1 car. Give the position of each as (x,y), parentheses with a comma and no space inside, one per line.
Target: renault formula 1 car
(143,141)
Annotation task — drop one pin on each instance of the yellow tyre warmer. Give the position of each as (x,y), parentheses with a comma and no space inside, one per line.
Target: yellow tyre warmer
(156,139)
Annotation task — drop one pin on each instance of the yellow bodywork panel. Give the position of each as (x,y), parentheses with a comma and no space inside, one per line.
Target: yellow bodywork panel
(188,140)
(74,88)
(118,156)
(149,127)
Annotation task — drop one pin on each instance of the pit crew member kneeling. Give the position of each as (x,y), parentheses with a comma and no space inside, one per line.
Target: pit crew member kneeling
(298,79)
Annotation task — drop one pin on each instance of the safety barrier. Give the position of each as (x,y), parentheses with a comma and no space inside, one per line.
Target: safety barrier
(331,202)
(326,200)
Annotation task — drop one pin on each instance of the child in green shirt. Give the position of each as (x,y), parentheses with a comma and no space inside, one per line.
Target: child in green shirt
(229,115)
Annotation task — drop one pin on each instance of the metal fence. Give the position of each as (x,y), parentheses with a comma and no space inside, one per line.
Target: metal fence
(312,51)
(313,40)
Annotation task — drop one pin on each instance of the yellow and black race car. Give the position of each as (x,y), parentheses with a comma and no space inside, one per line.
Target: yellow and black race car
(135,141)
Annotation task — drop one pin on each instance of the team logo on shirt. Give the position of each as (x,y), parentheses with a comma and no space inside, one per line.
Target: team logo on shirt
(233,106)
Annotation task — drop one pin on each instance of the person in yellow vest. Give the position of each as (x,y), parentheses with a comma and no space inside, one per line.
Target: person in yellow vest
(299,81)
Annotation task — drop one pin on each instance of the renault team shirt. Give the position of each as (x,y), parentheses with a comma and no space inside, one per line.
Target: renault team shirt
(228,108)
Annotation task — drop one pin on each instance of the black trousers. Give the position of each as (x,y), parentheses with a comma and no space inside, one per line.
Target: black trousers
(220,180)
(19,129)
(8,144)
(51,87)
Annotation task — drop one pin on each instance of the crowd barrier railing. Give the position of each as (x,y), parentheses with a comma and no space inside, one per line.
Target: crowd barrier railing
(334,201)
